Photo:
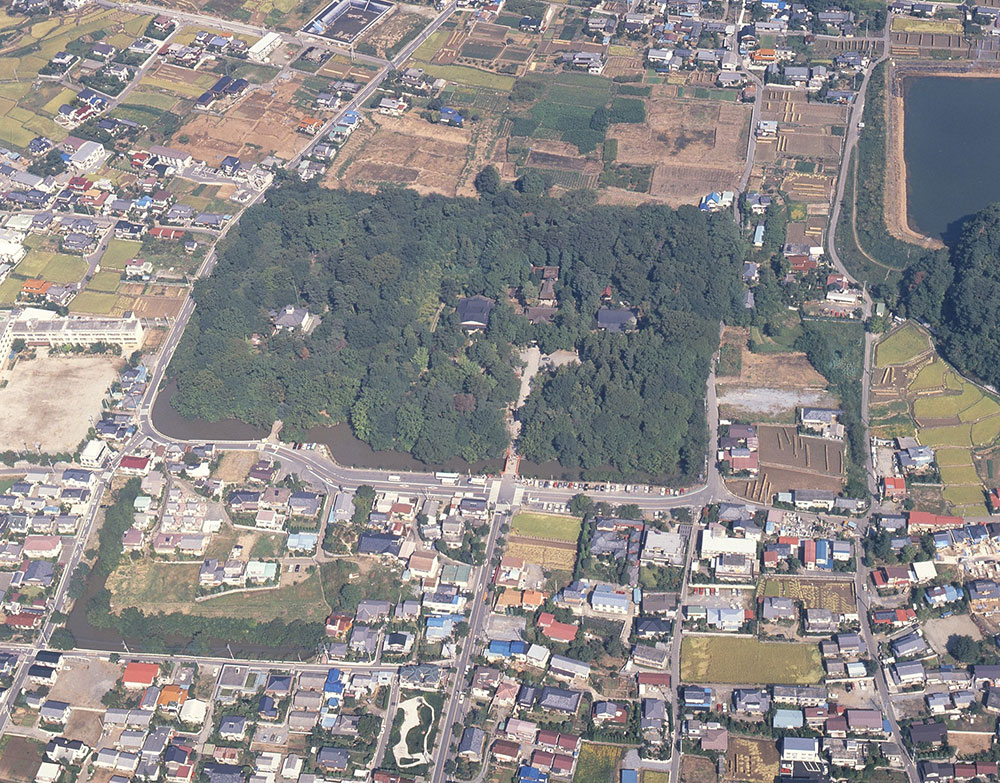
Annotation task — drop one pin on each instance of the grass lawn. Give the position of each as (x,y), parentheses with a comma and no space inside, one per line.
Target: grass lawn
(903,345)
(9,289)
(597,763)
(930,377)
(722,659)
(65,269)
(555,526)
(942,406)
(119,251)
(156,100)
(90,302)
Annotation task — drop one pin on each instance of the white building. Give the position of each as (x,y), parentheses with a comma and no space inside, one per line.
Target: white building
(261,51)
(94,454)
(44,327)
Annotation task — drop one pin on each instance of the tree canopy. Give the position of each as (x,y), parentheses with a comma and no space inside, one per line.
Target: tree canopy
(384,273)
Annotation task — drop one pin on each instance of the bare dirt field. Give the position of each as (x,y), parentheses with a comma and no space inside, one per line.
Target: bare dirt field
(20,760)
(697,769)
(87,682)
(235,465)
(767,401)
(940,629)
(408,150)
(696,146)
(264,123)
(49,400)
(86,725)
(789,370)
(784,447)
(970,743)
(809,188)
(390,31)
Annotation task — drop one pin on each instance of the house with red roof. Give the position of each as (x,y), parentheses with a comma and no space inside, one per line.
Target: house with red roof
(135,466)
(555,630)
(140,675)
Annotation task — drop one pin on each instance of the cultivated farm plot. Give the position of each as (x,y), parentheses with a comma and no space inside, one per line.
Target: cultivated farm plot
(20,760)
(407,151)
(547,526)
(742,659)
(751,760)
(837,596)
(598,763)
(550,555)
(696,146)
(261,124)
(902,346)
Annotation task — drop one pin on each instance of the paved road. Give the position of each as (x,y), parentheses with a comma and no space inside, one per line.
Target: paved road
(752,140)
(675,665)
(480,608)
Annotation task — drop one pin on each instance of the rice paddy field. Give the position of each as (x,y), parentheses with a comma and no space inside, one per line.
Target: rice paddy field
(915,393)
(747,660)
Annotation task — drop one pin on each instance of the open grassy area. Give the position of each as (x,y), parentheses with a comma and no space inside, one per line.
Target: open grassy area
(465,75)
(171,587)
(561,528)
(93,302)
(119,251)
(957,435)
(963,495)
(106,280)
(902,346)
(720,659)
(959,474)
(952,457)
(907,24)
(986,431)
(597,763)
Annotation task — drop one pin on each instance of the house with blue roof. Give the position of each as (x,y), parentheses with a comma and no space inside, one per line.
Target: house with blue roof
(527,774)
(301,542)
(449,116)
(439,628)
(629,776)
(824,555)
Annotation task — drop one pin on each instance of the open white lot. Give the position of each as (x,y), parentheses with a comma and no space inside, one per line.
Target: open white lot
(48,402)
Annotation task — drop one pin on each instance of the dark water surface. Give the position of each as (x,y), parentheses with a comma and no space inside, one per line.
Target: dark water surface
(951,132)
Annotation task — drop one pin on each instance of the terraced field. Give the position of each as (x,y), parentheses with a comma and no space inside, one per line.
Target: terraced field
(917,394)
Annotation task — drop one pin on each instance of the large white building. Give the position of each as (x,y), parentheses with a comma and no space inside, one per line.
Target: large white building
(714,542)
(44,327)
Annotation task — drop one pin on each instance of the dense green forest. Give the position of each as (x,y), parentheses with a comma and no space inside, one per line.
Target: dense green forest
(385,271)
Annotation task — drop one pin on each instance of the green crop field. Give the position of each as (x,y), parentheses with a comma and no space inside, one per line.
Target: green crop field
(598,763)
(465,75)
(65,269)
(987,406)
(959,474)
(930,377)
(943,406)
(952,457)
(957,435)
(721,659)
(578,96)
(902,346)
(106,280)
(561,528)
(986,431)
(963,495)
